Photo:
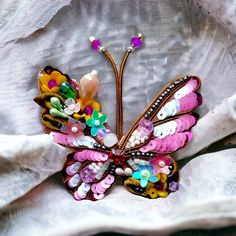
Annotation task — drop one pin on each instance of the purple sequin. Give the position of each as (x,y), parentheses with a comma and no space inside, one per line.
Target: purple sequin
(87,175)
(146,126)
(173,186)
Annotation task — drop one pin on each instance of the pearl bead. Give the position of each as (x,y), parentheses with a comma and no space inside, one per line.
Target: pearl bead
(137,142)
(132,145)
(96,122)
(91,167)
(132,138)
(74,129)
(96,169)
(119,171)
(128,172)
(145,173)
(128,145)
(161,163)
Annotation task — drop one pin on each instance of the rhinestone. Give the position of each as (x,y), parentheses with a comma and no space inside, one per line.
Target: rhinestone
(136,42)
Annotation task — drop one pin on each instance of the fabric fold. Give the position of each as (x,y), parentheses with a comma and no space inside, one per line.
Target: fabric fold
(25,162)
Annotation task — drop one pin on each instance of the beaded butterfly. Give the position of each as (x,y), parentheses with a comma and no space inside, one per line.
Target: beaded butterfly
(142,158)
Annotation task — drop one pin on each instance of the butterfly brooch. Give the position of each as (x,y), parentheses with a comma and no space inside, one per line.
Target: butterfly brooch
(142,157)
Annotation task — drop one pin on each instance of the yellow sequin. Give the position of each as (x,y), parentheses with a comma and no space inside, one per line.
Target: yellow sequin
(153,193)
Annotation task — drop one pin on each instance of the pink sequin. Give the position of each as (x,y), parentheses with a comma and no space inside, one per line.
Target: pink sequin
(192,85)
(59,138)
(188,102)
(185,122)
(90,155)
(171,143)
(76,196)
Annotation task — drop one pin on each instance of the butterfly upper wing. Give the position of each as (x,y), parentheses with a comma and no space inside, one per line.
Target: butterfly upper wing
(163,128)
(68,113)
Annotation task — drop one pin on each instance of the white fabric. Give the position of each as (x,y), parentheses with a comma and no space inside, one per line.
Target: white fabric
(178,39)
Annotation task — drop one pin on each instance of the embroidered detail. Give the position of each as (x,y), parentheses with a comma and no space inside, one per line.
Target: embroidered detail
(98,156)
(71,106)
(51,82)
(96,122)
(74,131)
(145,174)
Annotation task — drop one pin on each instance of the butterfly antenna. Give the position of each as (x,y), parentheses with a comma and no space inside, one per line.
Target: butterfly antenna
(136,42)
(96,46)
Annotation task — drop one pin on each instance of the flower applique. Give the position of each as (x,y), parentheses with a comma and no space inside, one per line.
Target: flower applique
(161,164)
(88,105)
(96,122)
(51,83)
(145,174)
(71,106)
(74,130)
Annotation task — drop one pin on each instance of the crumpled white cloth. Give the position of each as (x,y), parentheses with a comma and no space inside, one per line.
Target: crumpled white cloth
(178,39)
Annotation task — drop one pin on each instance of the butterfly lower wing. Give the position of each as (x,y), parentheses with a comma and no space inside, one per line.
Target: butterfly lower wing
(88,174)
(163,128)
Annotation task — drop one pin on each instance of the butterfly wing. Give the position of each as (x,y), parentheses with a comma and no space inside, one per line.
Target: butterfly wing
(73,119)
(162,129)
(70,114)
(89,174)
